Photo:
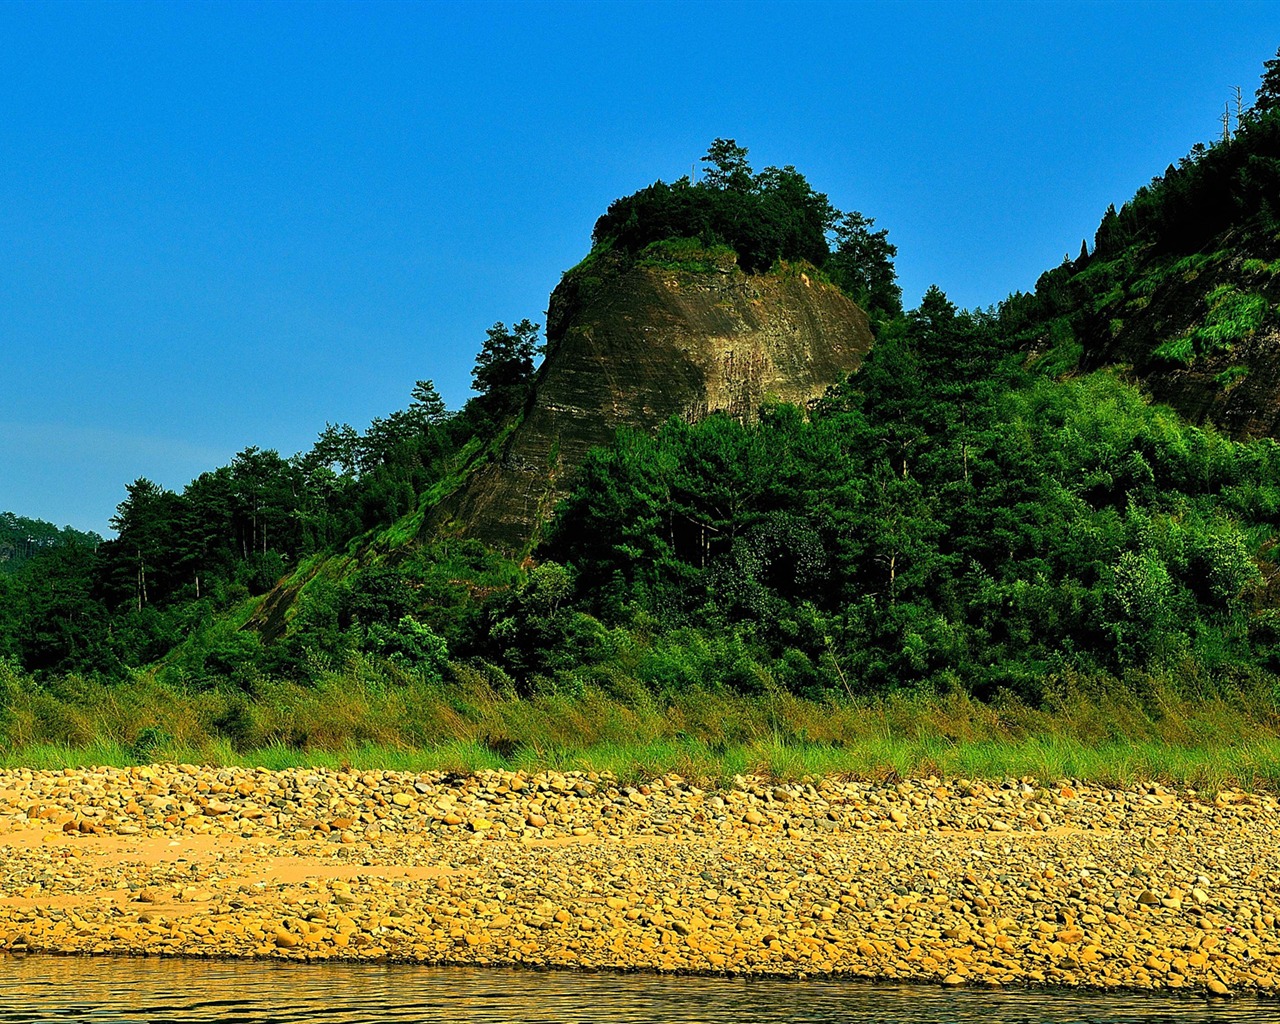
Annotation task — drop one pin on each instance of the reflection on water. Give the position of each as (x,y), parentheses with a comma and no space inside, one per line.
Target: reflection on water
(38,989)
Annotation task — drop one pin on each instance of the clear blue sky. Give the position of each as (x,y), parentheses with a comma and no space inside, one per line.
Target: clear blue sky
(226,224)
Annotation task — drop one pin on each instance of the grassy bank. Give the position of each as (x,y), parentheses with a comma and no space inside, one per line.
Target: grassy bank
(1253,766)
(368,716)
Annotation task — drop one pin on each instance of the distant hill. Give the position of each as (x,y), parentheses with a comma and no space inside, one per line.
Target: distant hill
(22,539)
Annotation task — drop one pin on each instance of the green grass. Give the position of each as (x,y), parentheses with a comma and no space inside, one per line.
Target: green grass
(1064,353)
(1173,731)
(688,255)
(1261,267)
(1252,766)
(1231,375)
(1231,316)
(1147,286)
(1176,350)
(1190,266)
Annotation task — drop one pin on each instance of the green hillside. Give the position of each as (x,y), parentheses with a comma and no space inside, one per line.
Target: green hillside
(992,508)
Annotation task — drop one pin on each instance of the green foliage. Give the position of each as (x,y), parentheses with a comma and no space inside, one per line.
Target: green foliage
(688,255)
(409,643)
(504,368)
(1231,376)
(1145,287)
(1156,728)
(1198,227)
(765,218)
(1232,316)
(1188,267)
(1176,350)
(22,539)
(1267,98)
(1064,351)
(938,521)
(950,521)
(862,265)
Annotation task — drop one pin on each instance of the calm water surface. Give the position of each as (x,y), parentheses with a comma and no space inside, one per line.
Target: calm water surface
(39,989)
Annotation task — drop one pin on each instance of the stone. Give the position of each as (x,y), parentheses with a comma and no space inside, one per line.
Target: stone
(603,887)
(285,940)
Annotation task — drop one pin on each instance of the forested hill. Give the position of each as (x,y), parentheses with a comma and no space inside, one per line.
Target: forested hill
(270,543)
(990,503)
(1181,284)
(22,539)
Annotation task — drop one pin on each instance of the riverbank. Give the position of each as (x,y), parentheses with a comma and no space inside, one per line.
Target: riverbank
(957,882)
(1182,732)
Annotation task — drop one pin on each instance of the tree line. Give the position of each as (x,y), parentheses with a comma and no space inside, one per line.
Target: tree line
(75,602)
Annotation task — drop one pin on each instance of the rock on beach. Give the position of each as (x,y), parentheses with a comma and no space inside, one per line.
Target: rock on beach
(954,882)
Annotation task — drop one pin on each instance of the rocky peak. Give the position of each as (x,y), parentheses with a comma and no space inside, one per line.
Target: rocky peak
(635,342)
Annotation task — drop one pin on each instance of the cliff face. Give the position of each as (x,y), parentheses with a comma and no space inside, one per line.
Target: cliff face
(633,345)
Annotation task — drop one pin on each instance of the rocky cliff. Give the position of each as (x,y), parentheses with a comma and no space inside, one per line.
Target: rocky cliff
(633,343)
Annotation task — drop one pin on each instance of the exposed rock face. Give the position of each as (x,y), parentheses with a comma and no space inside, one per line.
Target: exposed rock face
(636,345)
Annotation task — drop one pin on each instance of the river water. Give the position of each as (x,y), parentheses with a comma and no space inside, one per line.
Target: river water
(37,989)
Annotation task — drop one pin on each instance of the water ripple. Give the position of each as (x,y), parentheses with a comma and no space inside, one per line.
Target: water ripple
(36,990)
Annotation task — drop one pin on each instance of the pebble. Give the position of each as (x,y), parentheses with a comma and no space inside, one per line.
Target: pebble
(983,883)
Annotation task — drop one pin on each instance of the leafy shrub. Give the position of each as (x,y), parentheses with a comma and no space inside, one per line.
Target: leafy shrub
(1176,350)
(409,643)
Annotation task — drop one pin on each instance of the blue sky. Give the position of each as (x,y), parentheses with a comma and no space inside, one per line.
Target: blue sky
(226,224)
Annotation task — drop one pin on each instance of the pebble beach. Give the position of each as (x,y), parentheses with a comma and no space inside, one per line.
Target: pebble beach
(957,882)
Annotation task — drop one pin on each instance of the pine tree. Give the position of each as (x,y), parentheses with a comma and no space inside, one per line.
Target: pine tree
(1268,94)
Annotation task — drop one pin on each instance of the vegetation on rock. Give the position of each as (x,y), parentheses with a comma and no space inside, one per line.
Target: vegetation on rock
(763,217)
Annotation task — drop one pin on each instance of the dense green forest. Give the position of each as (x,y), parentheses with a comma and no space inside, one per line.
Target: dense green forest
(22,539)
(180,560)
(982,509)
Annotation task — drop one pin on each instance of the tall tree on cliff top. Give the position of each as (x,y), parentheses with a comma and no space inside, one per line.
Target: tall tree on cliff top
(504,368)
(727,167)
(862,266)
(1268,94)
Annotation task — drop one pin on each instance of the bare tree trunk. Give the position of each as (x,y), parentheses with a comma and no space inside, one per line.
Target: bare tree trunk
(141,591)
